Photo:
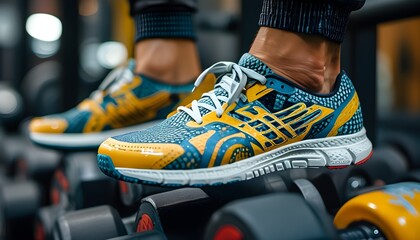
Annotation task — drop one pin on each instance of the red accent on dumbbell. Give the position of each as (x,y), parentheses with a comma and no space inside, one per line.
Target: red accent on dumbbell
(39,233)
(228,232)
(123,187)
(22,166)
(145,224)
(55,196)
(62,180)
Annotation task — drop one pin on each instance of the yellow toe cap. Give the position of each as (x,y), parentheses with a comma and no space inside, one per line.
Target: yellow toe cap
(140,155)
(47,125)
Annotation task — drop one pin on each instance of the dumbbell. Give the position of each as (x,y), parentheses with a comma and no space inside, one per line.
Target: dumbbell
(392,211)
(19,202)
(10,150)
(406,144)
(25,187)
(102,222)
(76,184)
(182,204)
(389,212)
(272,216)
(272,182)
(22,160)
(80,179)
(165,210)
(132,193)
(183,213)
(38,165)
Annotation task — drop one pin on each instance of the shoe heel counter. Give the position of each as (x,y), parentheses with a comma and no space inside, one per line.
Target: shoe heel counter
(355,123)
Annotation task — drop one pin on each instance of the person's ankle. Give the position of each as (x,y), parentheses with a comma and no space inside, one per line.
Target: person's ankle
(311,62)
(171,61)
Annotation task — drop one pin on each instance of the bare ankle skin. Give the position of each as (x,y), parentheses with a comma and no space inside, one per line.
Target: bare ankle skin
(311,62)
(171,61)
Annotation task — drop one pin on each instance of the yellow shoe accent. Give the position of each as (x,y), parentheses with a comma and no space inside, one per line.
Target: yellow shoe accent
(123,103)
(47,125)
(159,155)
(348,112)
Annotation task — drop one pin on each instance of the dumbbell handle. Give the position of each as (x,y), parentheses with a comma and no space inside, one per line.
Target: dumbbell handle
(361,231)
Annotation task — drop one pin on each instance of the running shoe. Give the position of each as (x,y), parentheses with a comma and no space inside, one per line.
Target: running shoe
(252,123)
(123,103)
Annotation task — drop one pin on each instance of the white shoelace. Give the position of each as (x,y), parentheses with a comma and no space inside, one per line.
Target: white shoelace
(233,82)
(114,81)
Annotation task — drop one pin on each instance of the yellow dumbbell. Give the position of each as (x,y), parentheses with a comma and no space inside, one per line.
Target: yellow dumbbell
(393,209)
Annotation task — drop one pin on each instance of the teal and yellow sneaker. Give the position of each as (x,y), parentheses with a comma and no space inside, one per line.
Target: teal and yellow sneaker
(254,122)
(124,102)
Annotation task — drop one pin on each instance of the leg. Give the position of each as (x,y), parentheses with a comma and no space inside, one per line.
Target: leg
(306,36)
(165,40)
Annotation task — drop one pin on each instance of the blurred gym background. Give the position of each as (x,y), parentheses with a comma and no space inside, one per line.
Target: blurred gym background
(54,53)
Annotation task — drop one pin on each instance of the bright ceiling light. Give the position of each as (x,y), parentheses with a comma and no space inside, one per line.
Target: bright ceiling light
(44,27)
(9,102)
(111,54)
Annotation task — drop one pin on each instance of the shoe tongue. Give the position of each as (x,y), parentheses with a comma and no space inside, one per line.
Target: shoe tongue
(249,61)
(112,81)
(219,92)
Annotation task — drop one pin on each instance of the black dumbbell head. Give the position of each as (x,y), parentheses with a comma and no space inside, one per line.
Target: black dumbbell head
(19,199)
(45,219)
(19,202)
(86,186)
(406,144)
(273,216)
(180,212)
(101,222)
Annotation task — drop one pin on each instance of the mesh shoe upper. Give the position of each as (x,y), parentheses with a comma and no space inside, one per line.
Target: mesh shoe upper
(266,116)
(122,100)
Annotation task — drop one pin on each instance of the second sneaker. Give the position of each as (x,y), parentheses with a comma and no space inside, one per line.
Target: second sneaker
(124,102)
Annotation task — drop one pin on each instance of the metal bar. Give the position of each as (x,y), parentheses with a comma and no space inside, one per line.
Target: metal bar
(379,11)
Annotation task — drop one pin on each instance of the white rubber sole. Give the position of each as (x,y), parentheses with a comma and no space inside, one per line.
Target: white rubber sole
(334,152)
(84,140)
